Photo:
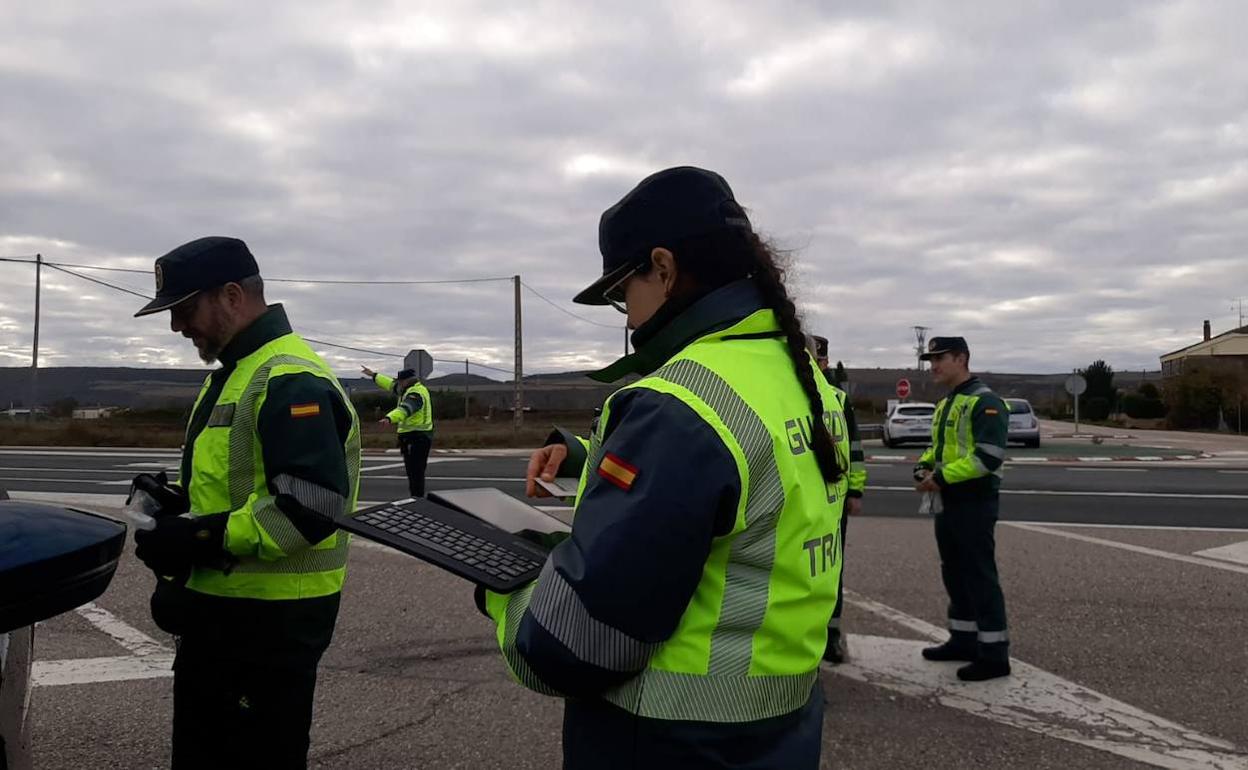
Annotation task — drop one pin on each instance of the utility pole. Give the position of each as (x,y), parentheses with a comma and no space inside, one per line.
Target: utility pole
(465,390)
(920,336)
(1237,304)
(518,418)
(34,355)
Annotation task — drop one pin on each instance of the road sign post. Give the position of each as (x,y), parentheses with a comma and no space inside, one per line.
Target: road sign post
(1075,385)
(903,388)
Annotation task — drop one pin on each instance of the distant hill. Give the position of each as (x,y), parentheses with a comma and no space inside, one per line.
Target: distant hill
(149,388)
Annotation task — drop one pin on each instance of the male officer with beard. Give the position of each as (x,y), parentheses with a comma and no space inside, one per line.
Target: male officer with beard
(249,563)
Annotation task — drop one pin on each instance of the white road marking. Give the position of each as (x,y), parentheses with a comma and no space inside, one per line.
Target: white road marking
(148,659)
(1074,493)
(1030,699)
(432,460)
(1155,527)
(51,673)
(1106,470)
(1130,547)
(173,453)
(161,466)
(1236,552)
(1035,700)
(129,637)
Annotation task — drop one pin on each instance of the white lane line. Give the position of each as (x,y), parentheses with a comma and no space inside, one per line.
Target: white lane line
(148,659)
(1071,493)
(1235,552)
(1107,470)
(96,453)
(129,637)
(917,625)
(1040,702)
(52,673)
(1130,547)
(1154,527)
(161,466)
(432,461)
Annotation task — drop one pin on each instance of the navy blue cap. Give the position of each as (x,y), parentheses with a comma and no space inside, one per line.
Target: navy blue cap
(662,209)
(202,264)
(821,346)
(405,374)
(939,345)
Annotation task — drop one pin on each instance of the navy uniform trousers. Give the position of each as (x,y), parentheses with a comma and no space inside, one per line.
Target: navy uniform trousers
(968,566)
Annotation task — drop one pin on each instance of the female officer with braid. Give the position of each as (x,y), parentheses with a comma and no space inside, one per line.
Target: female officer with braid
(684,618)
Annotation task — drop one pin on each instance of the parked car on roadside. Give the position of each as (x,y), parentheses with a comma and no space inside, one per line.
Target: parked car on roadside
(51,560)
(910,421)
(1024,428)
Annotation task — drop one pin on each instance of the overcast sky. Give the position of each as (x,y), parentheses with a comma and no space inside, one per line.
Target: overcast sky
(1058,182)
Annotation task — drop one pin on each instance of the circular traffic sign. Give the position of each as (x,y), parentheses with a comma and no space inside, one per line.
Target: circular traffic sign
(1076,384)
(903,388)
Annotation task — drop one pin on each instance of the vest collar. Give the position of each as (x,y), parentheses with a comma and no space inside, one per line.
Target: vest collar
(966,387)
(718,310)
(265,329)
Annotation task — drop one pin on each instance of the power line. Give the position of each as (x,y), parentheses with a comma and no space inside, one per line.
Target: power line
(397,355)
(336,281)
(97,280)
(29,260)
(564,310)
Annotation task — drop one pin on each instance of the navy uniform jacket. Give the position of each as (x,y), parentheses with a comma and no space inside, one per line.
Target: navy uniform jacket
(636,563)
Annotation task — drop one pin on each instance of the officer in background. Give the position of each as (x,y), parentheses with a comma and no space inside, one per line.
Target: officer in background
(414,417)
(248,561)
(684,619)
(837,650)
(964,465)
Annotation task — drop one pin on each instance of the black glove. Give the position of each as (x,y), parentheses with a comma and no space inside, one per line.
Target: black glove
(920,471)
(173,499)
(179,543)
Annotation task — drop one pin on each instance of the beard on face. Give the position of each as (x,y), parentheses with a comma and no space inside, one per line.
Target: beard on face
(211,335)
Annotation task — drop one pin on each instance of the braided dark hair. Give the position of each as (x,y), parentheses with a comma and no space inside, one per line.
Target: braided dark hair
(707,262)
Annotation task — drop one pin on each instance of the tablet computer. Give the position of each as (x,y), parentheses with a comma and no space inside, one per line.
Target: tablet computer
(500,509)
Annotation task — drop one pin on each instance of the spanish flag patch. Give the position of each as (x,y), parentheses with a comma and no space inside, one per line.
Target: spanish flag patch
(618,472)
(305,410)
(991,410)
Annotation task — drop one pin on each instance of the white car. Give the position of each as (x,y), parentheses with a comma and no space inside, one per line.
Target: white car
(1024,428)
(910,421)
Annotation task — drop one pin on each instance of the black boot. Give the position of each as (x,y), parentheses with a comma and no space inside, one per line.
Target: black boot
(836,652)
(951,650)
(982,670)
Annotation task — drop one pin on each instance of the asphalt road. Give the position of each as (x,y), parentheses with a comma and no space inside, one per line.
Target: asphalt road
(1124,586)
(1162,493)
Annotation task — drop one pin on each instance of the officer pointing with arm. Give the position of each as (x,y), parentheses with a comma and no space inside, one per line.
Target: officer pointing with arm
(684,619)
(964,466)
(249,563)
(413,416)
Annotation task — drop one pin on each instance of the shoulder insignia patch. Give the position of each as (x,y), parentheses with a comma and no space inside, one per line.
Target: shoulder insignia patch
(305,410)
(617,471)
(992,410)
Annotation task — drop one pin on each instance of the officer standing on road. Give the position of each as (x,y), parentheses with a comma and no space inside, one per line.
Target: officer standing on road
(685,617)
(837,650)
(414,417)
(250,565)
(964,465)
